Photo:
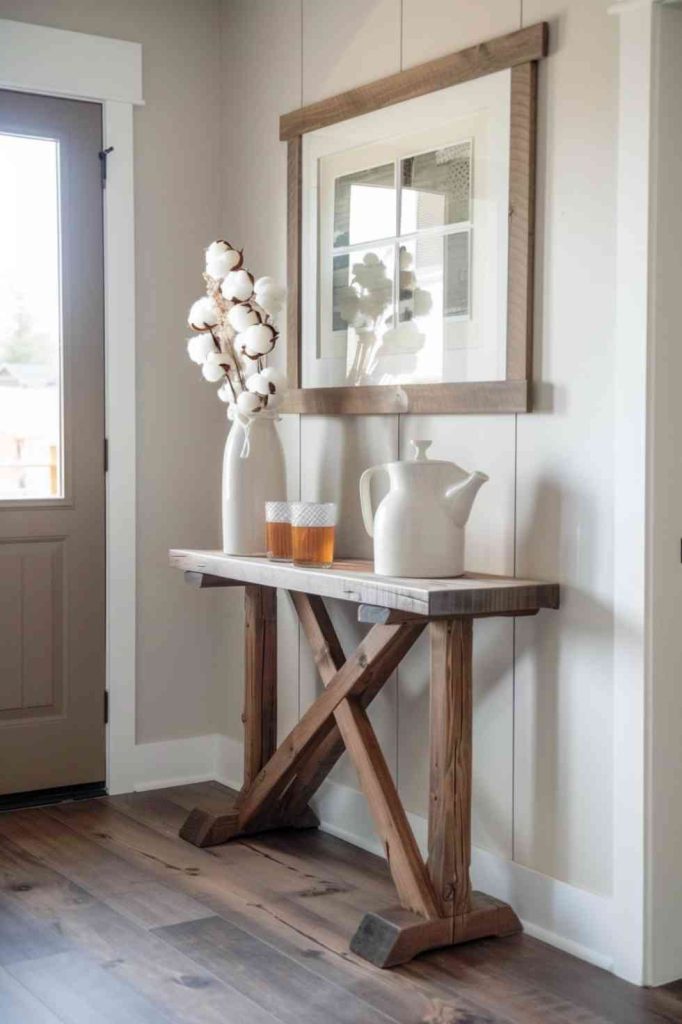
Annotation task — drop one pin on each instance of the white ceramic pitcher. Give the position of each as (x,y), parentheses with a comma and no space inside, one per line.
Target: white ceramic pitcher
(418,528)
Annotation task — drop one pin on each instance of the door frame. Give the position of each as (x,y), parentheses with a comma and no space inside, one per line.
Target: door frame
(73,65)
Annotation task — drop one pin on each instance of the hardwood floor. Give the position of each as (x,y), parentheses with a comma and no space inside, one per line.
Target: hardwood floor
(107,917)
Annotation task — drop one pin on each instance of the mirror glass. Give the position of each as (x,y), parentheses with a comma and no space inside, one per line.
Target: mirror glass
(405,215)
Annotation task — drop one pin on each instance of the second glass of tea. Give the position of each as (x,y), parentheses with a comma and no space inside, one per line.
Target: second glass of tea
(312,533)
(278,530)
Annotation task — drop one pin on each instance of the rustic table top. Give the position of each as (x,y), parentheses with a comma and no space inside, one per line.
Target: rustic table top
(354,580)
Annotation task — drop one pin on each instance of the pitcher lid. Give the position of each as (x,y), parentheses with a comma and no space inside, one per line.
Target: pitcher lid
(420,450)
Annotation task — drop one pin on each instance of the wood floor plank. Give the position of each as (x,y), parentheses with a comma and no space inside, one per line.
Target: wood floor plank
(35,887)
(110,878)
(79,991)
(588,990)
(95,868)
(158,970)
(18,1006)
(273,980)
(133,954)
(22,937)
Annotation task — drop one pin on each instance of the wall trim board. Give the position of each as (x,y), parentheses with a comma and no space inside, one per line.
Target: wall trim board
(73,65)
(56,62)
(631,497)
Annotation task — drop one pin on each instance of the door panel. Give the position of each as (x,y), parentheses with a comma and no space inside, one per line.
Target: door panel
(52,554)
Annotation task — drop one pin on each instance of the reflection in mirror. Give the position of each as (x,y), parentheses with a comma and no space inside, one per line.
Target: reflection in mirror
(457,275)
(436,188)
(363,305)
(364,205)
(405,241)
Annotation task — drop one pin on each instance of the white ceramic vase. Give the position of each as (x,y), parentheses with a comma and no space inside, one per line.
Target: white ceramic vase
(253,473)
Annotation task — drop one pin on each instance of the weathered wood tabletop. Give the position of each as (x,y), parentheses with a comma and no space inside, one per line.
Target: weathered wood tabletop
(437,906)
(471,594)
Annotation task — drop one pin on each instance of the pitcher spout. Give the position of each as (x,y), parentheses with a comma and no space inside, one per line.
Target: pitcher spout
(460,497)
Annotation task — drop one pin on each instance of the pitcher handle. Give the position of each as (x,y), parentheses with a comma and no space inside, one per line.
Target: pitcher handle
(366,498)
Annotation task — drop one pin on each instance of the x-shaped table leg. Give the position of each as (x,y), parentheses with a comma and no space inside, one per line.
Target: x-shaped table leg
(437,906)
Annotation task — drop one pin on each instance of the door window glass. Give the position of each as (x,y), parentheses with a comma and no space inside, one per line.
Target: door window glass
(31,448)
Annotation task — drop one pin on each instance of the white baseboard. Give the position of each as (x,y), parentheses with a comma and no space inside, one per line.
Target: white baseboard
(167,763)
(572,919)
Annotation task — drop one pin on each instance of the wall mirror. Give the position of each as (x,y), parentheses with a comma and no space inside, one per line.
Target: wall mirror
(410,237)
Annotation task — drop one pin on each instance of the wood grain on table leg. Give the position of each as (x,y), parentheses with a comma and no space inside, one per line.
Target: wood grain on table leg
(260,679)
(451,764)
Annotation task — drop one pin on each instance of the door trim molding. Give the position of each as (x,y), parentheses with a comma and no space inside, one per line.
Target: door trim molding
(73,65)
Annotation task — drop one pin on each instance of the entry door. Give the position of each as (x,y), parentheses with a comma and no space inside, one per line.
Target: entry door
(52,555)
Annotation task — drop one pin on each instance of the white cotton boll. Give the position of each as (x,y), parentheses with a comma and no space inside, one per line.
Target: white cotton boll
(221,258)
(258,385)
(274,377)
(225,393)
(248,403)
(238,286)
(212,372)
(263,283)
(242,316)
(270,301)
(219,358)
(199,346)
(203,313)
(269,294)
(258,340)
(269,285)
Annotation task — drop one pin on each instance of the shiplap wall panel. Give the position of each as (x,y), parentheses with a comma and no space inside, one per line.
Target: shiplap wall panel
(484,443)
(432,28)
(345,45)
(564,668)
(335,450)
(262,78)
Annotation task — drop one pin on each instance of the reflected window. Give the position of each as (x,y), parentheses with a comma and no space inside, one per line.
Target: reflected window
(401,259)
(30,321)
(365,205)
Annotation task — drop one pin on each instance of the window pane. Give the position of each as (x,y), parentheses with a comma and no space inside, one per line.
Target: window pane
(436,188)
(30,350)
(434,279)
(364,206)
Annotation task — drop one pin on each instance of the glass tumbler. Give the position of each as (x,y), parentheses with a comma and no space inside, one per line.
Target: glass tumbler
(278,530)
(312,533)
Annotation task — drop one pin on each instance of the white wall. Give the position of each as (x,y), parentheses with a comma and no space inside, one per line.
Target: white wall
(182,646)
(543,793)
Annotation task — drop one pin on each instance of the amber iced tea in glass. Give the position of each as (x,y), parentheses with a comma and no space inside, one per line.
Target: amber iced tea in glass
(278,530)
(312,532)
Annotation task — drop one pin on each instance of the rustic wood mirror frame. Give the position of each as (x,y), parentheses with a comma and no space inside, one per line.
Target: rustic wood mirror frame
(519,51)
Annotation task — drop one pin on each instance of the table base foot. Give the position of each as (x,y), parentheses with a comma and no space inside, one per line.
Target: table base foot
(204,829)
(395,935)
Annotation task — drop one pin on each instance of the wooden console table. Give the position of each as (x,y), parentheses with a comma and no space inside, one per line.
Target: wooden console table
(437,907)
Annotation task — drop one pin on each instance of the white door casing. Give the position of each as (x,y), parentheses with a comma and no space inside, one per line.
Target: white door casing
(73,65)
